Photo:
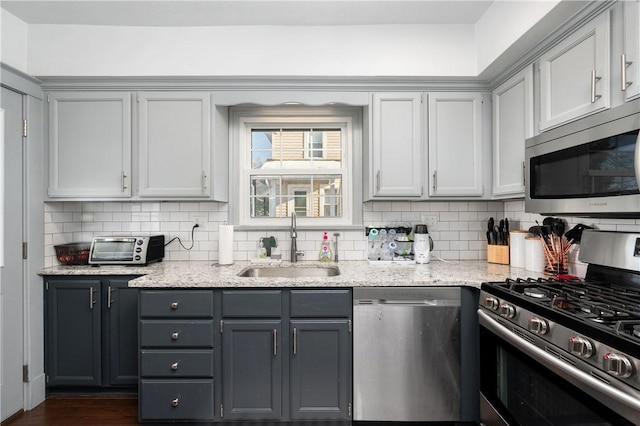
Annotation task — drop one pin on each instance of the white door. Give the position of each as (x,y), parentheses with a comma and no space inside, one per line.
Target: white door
(11,279)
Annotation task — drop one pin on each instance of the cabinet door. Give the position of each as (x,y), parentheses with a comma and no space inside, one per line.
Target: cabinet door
(320,369)
(574,75)
(512,124)
(174,134)
(90,144)
(397,145)
(73,332)
(120,305)
(252,369)
(455,144)
(630,63)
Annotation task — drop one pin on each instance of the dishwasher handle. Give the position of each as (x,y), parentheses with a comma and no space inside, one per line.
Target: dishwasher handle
(400,302)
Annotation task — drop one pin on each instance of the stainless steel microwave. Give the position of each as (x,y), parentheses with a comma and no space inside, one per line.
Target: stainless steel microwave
(126,250)
(590,167)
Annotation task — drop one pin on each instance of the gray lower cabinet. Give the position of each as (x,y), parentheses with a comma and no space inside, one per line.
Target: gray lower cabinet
(90,333)
(245,355)
(176,355)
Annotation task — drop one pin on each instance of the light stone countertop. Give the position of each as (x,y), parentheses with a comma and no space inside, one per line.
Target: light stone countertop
(203,274)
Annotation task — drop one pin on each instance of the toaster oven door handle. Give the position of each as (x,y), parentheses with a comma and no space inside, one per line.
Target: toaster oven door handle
(630,399)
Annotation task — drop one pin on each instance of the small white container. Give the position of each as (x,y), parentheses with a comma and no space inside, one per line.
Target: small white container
(535,259)
(517,251)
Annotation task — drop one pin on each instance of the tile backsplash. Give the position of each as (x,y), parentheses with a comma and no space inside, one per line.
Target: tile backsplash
(459,233)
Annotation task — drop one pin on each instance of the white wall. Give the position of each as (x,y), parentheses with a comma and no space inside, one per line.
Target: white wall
(383,50)
(13,41)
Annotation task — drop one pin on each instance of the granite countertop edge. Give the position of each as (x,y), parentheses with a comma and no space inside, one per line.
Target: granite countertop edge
(207,274)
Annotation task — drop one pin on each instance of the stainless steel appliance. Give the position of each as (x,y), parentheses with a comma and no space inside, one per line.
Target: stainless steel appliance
(407,353)
(565,351)
(590,167)
(126,250)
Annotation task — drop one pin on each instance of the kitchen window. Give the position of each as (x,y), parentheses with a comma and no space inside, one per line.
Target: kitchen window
(294,159)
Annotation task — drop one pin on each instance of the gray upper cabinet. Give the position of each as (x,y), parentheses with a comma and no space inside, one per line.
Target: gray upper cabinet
(90,144)
(574,75)
(629,68)
(174,141)
(455,144)
(396,154)
(512,124)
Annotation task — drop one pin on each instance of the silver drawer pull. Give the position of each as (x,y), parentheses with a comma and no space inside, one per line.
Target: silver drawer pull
(174,366)
(175,402)
(174,306)
(174,336)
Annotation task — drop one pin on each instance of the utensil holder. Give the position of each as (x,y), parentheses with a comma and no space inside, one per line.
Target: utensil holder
(498,254)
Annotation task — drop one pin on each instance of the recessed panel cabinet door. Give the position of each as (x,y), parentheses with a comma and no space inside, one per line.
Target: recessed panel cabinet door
(574,75)
(252,369)
(73,331)
(630,62)
(320,369)
(89,144)
(174,133)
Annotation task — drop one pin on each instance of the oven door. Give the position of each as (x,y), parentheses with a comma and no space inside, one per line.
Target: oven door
(521,384)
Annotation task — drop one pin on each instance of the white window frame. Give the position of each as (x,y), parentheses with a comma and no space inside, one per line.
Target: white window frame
(244,119)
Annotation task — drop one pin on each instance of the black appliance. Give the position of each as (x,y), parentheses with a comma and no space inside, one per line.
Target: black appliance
(563,351)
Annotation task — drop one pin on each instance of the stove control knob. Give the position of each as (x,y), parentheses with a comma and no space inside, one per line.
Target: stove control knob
(538,325)
(507,310)
(618,365)
(491,303)
(580,346)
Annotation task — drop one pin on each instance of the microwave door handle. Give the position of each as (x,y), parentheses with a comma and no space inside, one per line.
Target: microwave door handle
(630,400)
(637,160)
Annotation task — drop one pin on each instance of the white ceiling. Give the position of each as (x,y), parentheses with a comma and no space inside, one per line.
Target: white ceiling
(246,12)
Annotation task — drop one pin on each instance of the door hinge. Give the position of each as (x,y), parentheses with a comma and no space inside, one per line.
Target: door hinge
(349,409)
(350,326)
(48,98)
(25,250)
(25,373)
(221,325)
(24,128)
(221,411)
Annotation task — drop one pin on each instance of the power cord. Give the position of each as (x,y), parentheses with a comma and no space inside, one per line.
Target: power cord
(180,241)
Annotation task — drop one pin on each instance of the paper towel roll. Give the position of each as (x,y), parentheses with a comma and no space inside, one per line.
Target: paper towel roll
(225,245)
(535,254)
(517,248)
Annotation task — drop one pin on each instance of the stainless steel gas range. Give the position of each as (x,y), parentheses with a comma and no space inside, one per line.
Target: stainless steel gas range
(564,351)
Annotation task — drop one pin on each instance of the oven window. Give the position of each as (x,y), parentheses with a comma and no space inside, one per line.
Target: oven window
(114,250)
(526,393)
(596,169)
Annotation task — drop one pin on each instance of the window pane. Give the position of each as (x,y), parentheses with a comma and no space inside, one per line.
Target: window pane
(262,143)
(265,196)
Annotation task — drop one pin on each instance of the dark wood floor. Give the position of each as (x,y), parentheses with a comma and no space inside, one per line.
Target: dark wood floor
(75,410)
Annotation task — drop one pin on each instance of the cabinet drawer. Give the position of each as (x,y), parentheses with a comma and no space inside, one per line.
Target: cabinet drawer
(176,333)
(320,303)
(176,399)
(252,303)
(176,303)
(176,363)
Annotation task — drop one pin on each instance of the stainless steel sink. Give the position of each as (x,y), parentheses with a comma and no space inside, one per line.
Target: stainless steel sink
(290,272)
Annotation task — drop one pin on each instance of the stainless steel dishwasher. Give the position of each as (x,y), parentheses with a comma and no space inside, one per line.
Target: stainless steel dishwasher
(406,343)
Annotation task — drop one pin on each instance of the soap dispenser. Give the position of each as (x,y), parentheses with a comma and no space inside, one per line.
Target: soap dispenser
(325,249)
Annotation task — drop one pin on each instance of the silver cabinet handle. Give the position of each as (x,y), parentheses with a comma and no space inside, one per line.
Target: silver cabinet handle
(91,298)
(109,299)
(378,181)
(174,335)
(295,341)
(623,72)
(175,402)
(275,341)
(174,306)
(123,177)
(435,180)
(174,366)
(204,181)
(594,80)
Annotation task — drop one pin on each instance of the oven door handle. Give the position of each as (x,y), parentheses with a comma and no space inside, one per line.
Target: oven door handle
(631,400)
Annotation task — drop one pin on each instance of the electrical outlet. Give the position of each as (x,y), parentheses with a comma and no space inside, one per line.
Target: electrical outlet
(431,220)
(200,220)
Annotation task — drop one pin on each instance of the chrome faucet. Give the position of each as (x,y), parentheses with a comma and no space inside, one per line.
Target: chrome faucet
(294,235)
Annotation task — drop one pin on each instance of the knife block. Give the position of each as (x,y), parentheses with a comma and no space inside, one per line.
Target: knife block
(498,254)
